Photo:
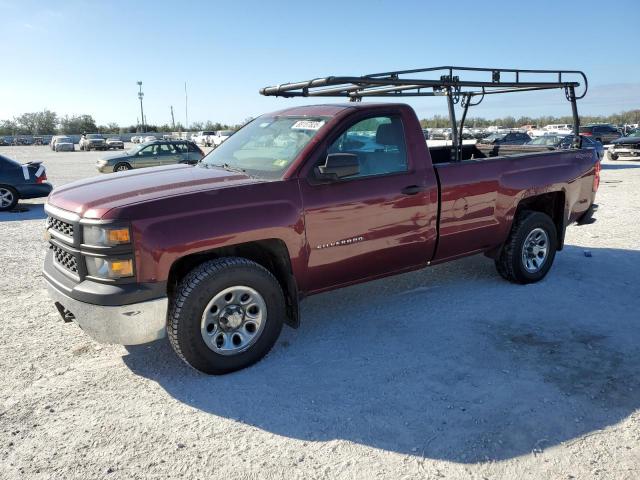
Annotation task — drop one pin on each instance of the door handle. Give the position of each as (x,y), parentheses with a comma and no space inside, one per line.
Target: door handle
(412,190)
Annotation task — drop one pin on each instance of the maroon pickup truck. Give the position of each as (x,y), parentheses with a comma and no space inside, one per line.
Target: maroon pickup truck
(297,202)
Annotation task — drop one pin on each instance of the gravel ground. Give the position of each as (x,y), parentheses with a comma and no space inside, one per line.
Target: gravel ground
(448,372)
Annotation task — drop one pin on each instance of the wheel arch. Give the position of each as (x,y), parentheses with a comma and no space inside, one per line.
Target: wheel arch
(551,203)
(272,254)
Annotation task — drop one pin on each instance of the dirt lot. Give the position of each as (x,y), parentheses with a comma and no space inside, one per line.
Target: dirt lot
(448,372)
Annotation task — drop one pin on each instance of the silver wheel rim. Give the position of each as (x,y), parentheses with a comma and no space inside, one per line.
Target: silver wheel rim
(6,197)
(233,320)
(122,168)
(535,250)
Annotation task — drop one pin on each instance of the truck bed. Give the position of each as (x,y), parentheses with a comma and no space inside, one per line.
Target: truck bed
(479,197)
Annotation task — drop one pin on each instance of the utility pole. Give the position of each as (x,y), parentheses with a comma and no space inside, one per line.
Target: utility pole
(186,110)
(140,96)
(173,120)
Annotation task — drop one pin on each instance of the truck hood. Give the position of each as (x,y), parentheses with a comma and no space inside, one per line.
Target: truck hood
(627,140)
(94,197)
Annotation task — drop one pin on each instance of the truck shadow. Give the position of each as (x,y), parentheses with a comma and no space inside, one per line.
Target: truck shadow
(450,362)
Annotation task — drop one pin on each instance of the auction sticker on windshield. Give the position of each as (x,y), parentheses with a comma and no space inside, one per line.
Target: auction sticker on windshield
(307,125)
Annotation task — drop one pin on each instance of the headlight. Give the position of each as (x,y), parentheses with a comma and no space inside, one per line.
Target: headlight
(112,268)
(105,236)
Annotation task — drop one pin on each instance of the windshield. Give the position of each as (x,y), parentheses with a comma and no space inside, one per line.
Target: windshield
(225,133)
(94,135)
(266,146)
(546,140)
(63,139)
(494,136)
(136,149)
(634,133)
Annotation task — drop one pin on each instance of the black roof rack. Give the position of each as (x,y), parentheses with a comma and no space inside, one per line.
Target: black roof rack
(407,83)
(451,83)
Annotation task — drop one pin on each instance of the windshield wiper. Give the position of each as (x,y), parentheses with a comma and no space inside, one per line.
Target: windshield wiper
(228,167)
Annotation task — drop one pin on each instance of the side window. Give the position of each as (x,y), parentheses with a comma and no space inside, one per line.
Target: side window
(379,144)
(163,149)
(146,151)
(192,147)
(180,147)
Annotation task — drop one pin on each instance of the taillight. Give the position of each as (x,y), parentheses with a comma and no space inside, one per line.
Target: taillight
(42,178)
(586,134)
(596,176)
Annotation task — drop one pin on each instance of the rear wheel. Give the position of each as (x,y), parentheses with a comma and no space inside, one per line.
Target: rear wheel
(226,315)
(530,249)
(8,198)
(122,167)
(612,156)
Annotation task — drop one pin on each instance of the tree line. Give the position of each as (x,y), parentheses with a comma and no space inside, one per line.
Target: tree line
(622,118)
(47,122)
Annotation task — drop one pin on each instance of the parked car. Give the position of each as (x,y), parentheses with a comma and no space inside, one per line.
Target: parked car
(560,128)
(511,138)
(219,137)
(18,181)
(4,142)
(115,143)
(286,208)
(605,134)
(627,146)
(203,138)
(137,139)
(566,142)
(156,153)
(63,144)
(587,142)
(149,138)
(92,141)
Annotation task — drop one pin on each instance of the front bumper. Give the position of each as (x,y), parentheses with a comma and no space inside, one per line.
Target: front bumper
(124,325)
(104,168)
(96,146)
(128,314)
(625,151)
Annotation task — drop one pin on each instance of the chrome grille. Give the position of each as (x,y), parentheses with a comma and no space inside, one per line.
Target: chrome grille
(60,226)
(65,259)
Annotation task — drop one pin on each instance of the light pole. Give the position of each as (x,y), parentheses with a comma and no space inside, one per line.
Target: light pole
(140,96)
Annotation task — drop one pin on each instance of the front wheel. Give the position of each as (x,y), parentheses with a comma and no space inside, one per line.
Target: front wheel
(612,156)
(530,249)
(122,167)
(226,314)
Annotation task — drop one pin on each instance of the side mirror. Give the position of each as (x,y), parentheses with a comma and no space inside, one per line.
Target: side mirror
(577,142)
(337,166)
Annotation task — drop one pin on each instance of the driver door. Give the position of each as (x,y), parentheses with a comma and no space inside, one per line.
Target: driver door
(376,222)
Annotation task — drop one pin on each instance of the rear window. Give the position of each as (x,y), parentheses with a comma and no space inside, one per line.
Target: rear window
(586,129)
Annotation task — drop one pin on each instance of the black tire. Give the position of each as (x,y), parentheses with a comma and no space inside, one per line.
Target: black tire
(7,191)
(510,264)
(121,147)
(612,156)
(122,167)
(193,295)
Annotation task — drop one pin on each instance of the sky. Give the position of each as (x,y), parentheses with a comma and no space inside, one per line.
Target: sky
(85,57)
